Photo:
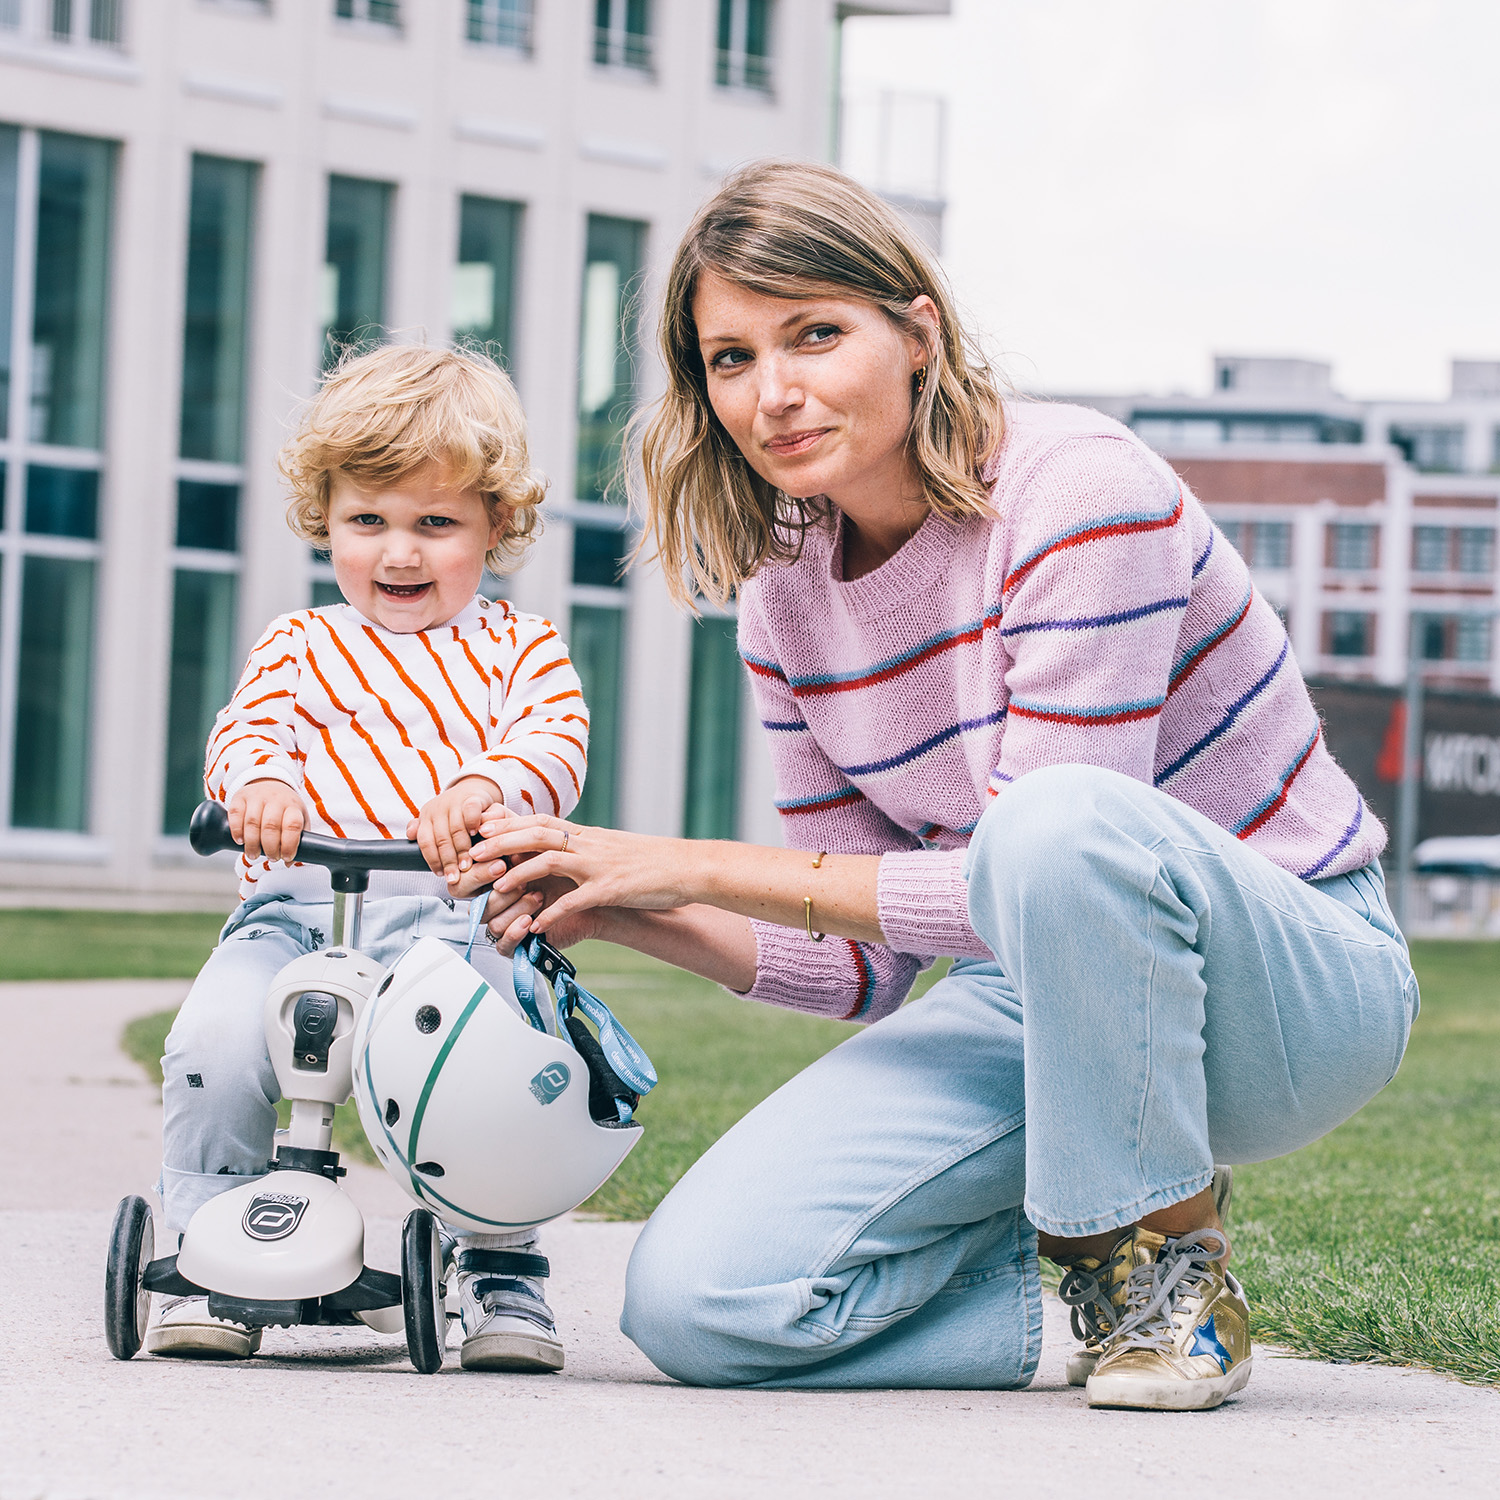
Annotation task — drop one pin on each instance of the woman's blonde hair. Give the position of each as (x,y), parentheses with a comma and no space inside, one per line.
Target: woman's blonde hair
(798,230)
(381,416)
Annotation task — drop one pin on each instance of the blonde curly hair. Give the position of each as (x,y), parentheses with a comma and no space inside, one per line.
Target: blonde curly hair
(796,229)
(381,416)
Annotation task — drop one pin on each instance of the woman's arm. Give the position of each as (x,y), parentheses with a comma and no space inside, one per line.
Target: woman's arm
(603,867)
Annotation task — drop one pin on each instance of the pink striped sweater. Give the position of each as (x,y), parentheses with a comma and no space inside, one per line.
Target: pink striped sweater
(369,725)
(1100,619)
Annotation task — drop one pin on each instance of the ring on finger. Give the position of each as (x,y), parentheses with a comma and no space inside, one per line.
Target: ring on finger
(566,836)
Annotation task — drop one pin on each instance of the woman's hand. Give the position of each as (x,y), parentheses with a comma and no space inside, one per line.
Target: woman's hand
(568,871)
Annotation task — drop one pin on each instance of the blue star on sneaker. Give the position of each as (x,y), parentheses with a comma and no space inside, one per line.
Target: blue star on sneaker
(1206,1341)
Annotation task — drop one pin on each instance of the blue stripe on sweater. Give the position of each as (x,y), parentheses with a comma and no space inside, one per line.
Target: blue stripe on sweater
(1338,848)
(1097,622)
(875,767)
(1202,562)
(1238,707)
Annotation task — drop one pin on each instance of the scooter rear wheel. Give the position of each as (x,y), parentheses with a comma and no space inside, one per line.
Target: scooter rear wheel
(127,1304)
(422,1291)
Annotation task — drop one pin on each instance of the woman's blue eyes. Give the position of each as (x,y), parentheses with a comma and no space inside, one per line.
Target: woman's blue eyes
(734,359)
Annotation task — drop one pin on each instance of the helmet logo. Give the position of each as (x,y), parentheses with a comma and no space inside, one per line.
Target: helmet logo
(550,1082)
(273,1216)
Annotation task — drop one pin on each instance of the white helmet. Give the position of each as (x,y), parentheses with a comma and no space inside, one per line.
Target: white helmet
(480,1116)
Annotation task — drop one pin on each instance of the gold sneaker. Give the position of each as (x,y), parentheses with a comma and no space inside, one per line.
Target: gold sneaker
(1095,1289)
(1184,1342)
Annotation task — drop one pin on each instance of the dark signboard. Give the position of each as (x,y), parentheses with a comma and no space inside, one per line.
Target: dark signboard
(1365,726)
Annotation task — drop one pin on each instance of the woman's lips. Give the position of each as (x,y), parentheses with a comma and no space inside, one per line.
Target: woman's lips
(792,443)
(403,590)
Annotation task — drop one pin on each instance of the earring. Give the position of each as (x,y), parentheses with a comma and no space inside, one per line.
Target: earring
(921,379)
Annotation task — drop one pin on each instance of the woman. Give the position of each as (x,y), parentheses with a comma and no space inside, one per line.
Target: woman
(1026,699)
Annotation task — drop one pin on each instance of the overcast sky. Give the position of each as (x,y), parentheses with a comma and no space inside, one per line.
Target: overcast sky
(1135,185)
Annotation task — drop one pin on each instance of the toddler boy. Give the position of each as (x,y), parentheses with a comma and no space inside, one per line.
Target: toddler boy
(407,711)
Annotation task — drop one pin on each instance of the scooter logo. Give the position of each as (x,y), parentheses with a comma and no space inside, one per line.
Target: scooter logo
(273,1216)
(550,1082)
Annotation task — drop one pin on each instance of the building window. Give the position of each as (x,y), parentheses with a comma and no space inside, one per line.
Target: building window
(1455,638)
(615,251)
(1433,450)
(1495,451)
(622,34)
(1167,434)
(206,553)
(1263,544)
(374,12)
(596,643)
(713,749)
(599,554)
(744,52)
(1475,552)
(354,266)
(56,190)
(1429,549)
(1348,633)
(1352,547)
(1456,549)
(501,23)
(484,280)
(79,22)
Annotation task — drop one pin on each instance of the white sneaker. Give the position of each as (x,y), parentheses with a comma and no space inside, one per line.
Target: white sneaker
(507,1323)
(184,1327)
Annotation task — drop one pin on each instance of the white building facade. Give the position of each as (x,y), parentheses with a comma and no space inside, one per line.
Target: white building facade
(200,202)
(1361,520)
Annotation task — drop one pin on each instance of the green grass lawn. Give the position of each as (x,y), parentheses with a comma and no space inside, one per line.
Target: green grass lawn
(1379,1242)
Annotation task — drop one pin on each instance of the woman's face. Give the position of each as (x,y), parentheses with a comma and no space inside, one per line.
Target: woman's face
(816,394)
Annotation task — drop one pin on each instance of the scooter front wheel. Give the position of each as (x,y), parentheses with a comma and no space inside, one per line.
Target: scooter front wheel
(422,1291)
(127,1303)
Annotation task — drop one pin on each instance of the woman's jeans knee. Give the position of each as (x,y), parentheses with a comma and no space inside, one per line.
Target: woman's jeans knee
(1186,1001)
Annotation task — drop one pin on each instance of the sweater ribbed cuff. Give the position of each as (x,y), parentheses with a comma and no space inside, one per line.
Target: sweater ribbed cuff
(793,972)
(922,900)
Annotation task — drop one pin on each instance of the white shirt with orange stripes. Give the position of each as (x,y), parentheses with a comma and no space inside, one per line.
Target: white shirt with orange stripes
(370,725)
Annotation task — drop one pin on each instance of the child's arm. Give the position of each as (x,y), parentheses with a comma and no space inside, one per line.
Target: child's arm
(253,766)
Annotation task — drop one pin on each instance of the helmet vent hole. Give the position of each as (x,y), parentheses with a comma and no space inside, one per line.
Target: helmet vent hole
(429,1169)
(429,1018)
(385,983)
(392,1111)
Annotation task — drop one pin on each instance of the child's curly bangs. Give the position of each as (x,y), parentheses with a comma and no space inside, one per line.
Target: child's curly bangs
(381,416)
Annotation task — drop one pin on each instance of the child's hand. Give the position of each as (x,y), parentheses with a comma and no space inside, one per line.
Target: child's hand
(446,822)
(267,818)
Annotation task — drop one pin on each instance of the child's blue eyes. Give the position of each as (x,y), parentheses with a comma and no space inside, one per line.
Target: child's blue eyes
(432,523)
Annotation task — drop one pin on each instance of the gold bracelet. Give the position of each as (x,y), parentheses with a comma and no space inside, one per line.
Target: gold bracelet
(817,937)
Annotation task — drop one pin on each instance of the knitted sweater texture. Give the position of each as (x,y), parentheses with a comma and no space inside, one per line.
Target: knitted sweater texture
(1098,619)
(369,725)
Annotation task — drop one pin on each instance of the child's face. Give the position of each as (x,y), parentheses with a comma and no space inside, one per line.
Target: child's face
(409,557)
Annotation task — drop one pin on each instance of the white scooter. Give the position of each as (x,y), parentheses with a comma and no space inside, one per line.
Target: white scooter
(288,1248)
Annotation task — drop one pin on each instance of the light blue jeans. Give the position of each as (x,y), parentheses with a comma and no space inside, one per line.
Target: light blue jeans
(1161,998)
(219,1091)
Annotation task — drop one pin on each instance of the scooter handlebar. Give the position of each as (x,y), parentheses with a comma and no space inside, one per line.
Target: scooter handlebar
(209,833)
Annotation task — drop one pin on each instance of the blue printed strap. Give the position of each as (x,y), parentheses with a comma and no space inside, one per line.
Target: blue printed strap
(621,1050)
(523,976)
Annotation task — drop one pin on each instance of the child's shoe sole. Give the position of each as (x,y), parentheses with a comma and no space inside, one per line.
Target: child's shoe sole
(521,1351)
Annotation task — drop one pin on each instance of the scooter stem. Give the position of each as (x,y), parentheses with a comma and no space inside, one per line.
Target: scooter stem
(312,1125)
(348,908)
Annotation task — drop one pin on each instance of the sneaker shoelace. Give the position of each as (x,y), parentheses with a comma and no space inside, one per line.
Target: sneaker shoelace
(1152,1291)
(1084,1291)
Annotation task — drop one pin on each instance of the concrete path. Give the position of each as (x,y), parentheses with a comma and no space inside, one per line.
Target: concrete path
(341,1412)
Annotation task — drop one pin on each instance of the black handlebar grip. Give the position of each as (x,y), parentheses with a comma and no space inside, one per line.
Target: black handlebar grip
(209,833)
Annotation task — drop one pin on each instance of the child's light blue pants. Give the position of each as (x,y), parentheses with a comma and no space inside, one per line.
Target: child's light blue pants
(219,1090)
(1162,997)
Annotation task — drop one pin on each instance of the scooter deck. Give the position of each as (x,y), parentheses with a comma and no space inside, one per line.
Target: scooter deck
(370,1290)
